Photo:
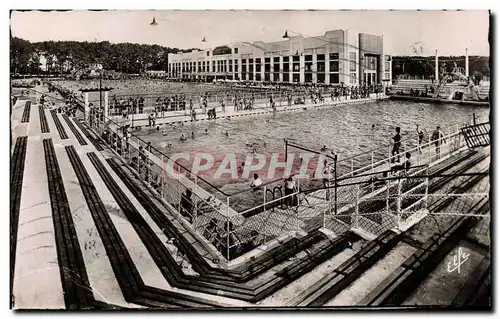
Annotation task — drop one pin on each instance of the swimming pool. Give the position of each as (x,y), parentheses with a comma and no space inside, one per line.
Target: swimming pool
(347,130)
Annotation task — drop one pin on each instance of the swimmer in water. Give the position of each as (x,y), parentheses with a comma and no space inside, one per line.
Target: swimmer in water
(192,135)
(324,148)
(227,134)
(373,126)
(183,137)
(206,131)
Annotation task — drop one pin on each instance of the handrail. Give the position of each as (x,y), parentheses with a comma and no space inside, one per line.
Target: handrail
(161,153)
(393,156)
(391,143)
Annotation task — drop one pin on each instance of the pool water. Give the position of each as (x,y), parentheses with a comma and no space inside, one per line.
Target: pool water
(345,129)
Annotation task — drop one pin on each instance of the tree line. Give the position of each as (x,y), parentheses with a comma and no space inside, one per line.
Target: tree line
(133,58)
(62,56)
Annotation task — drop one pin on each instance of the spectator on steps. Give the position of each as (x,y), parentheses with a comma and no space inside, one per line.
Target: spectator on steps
(186,206)
(256,183)
(405,167)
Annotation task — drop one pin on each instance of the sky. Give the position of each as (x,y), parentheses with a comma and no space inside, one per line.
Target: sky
(451,32)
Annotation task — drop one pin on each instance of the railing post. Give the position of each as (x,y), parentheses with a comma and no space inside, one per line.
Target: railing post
(286,150)
(372,171)
(265,194)
(356,217)
(387,194)
(297,225)
(352,167)
(179,191)
(389,157)
(429,158)
(426,195)
(162,177)
(399,203)
(335,176)
(328,190)
(227,225)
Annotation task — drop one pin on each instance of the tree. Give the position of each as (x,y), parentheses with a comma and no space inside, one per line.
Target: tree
(477,77)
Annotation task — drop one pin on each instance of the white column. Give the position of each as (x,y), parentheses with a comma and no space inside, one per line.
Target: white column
(239,68)
(281,67)
(327,66)
(87,106)
(106,105)
(315,67)
(437,68)
(302,68)
(466,62)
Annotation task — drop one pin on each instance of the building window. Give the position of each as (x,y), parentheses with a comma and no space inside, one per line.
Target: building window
(267,60)
(308,78)
(286,67)
(308,66)
(320,57)
(250,76)
(267,67)
(370,62)
(244,68)
(235,50)
(296,58)
(286,77)
(277,59)
(257,68)
(230,67)
(352,78)
(321,66)
(286,59)
(321,77)
(387,76)
(258,77)
(387,66)
(334,56)
(276,77)
(296,77)
(334,66)
(266,77)
(257,60)
(276,67)
(296,67)
(244,61)
(308,57)
(352,61)
(334,78)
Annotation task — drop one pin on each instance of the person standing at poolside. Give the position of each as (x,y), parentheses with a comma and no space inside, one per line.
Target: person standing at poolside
(289,189)
(438,138)
(420,139)
(396,143)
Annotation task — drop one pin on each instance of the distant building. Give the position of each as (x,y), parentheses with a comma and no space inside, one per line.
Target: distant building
(154,73)
(340,56)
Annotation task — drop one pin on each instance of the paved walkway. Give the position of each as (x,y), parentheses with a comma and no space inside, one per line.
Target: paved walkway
(37,275)
(229,112)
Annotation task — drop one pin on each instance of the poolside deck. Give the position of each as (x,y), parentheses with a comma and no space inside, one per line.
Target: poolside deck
(85,237)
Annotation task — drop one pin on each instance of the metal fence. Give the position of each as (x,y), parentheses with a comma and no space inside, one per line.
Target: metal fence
(362,198)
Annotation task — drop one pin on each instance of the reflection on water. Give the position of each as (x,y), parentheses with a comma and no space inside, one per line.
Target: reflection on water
(345,129)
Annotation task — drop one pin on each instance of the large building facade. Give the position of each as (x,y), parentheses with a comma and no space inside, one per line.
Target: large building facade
(338,57)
